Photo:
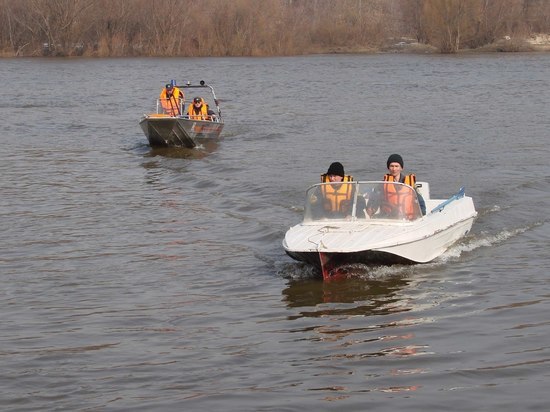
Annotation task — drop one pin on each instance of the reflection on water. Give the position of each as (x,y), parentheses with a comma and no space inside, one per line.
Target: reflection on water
(175,153)
(180,152)
(203,149)
(363,321)
(368,297)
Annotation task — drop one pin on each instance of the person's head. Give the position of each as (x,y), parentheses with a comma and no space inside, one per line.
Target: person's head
(197,101)
(395,164)
(169,88)
(335,172)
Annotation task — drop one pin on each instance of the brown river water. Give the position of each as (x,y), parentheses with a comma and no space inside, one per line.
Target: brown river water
(155,280)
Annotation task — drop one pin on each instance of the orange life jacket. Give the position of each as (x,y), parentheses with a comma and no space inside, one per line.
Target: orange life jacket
(171,105)
(399,201)
(198,114)
(337,197)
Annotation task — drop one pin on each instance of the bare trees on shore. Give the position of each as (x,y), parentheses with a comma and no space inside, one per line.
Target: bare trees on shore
(256,27)
(451,25)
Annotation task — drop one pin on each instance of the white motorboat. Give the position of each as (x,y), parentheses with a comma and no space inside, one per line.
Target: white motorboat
(328,239)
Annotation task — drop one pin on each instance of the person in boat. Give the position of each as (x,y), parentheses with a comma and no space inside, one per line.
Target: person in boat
(389,200)
(198,110)
(336,197)
(172,98)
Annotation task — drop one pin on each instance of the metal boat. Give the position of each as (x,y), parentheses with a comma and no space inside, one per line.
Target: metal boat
(328,240)
(165,130)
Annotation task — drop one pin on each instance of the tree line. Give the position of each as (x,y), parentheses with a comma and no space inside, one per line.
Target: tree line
(111,28)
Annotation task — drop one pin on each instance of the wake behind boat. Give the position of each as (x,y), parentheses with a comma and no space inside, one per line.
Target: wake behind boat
(171,125)
(400,235)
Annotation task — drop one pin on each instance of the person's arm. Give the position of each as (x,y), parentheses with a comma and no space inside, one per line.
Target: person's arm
(421,203)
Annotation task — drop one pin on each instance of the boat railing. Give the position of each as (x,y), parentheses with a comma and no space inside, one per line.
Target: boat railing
(169,108)
(211,118)
(454,197)
(360,201)
(166,107)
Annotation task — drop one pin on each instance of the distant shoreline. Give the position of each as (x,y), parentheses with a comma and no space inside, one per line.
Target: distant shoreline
(534,44)
(539,43)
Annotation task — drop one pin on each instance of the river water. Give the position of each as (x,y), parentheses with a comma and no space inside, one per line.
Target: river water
(155,280)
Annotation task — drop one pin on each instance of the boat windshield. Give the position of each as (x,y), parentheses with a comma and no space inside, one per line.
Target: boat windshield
(361,200)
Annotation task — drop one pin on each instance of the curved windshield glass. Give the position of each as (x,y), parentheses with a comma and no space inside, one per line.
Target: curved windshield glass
(361,200)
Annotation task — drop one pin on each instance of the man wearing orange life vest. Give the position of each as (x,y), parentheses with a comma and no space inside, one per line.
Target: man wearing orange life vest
(337,197)
(171,99)
(395,201)
(198,110)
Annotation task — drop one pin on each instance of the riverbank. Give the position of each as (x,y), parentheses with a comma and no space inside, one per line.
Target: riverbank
(507,44)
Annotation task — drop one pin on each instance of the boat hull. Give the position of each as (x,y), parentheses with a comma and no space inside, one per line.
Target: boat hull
(420,250)
(166,131)
(365,257)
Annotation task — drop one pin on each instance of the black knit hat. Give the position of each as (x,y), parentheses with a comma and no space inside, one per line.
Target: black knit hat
(394,158)
(336,168)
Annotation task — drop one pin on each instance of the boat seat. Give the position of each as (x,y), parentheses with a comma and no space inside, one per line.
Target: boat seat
(424,189)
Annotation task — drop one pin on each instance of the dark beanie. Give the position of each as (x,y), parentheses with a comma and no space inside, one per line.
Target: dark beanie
(394,158)
(336,168)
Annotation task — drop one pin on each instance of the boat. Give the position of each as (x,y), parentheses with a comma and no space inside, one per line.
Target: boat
(330,240)
(163,129)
